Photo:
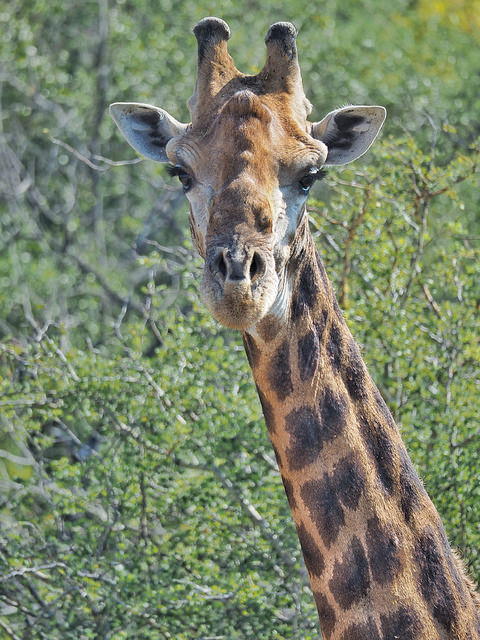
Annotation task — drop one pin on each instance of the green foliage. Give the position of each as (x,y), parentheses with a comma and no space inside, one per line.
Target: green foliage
(139,496)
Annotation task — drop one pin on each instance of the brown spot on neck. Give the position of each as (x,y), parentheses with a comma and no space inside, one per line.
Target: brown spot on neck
(280,373)
(269,327)
(350,580)
(251,349)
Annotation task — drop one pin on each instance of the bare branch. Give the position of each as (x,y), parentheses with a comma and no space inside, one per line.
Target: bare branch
(77,154)
(37,571)
(113,295)
(421,208)
(347,263)
(116,163)
(431,301)
(8,631)
(96,167)
(43,336)
(246,505)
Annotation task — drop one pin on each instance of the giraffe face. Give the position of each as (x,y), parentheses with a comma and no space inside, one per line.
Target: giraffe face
(247,162)
(247,181)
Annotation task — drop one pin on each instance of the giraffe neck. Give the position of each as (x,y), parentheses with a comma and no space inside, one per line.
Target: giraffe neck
(374,546)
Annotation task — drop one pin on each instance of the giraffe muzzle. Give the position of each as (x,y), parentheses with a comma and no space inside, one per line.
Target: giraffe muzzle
(238,284)
(231,267)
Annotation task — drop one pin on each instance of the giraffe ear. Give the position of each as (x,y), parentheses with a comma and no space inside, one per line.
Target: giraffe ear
(147,129)
(349,132)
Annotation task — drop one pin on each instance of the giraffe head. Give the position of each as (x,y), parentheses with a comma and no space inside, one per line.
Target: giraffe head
(246,162)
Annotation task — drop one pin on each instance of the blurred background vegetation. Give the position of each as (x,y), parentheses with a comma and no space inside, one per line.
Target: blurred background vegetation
(139,497)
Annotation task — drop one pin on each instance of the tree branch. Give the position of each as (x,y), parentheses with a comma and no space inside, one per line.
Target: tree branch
(8,631)
(347,263)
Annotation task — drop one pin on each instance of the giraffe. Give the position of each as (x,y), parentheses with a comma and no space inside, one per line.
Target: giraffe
(377,555)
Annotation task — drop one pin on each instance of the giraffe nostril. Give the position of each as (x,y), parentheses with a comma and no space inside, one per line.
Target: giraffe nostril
(253,267)
(257,266)
(220,265)
(226,267)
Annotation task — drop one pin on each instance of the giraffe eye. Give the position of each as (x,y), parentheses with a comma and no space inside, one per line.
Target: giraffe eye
(184,177)
(310,177)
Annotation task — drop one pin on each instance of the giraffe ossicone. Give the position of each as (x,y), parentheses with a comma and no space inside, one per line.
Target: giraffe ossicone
(375,548)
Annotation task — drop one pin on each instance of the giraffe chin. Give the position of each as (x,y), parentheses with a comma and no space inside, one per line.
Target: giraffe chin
(239,304)
(236,313)
(235,305)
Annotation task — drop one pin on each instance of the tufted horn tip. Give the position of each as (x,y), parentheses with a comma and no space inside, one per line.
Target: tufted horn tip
(285,35)
(211,29)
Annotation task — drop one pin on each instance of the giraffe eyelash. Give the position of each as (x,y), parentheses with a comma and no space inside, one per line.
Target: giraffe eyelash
(185,178)
(174,170)
(319,175)
(308,180)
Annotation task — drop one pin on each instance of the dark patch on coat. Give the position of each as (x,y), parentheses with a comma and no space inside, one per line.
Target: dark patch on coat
(402,623)
(277,456)
(333,414)
(382,449)
(311,552)
(251,349)
(324,497)
(326,614)
(321,323)
(354,373)
(323,504)
(288,486)
(384,410)
(385,552)
(455,570)
(350,580)
(334,347)
(280,375)
(269,327)
(323,273)
(267,411)
(349,479)
(309,431)
(306,438)
(433,580)
(362,631)
(308,355)
(410,486)
(336,308)
(306,294)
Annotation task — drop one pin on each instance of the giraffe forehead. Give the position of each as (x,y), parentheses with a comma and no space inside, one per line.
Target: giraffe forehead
(240,141)
(246,103)
(248,134)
